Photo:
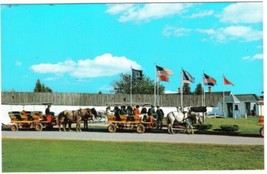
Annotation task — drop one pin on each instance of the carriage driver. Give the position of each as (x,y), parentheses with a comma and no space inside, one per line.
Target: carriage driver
(48,114)
(160,115)
(47,110)
(152,113)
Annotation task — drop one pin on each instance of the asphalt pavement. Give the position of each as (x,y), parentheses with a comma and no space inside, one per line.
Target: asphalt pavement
(131,136)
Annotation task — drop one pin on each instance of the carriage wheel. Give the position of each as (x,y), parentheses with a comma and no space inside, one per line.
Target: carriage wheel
(39,127)
(14,127)
(112,128)
(140,129)
(261,131)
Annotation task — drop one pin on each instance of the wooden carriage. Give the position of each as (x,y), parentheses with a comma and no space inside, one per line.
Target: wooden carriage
(261,123)
(31,120)
(129,122)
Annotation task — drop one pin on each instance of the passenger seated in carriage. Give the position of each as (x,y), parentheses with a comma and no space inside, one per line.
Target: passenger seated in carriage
(136,110)
(108,111)
(143,110)
(130,113)
(123,110)
(151,114)
(129,110)
(117,113)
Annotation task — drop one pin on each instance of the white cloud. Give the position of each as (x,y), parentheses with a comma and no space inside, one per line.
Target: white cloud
(101,66)
(255,57)
(240,33)
(119,8)
(202,14)
(175,31)
(59,68)
(246,58)
(242,13)
(147,12)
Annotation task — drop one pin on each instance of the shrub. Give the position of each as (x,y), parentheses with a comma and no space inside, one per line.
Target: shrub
(229,128)
(203,126)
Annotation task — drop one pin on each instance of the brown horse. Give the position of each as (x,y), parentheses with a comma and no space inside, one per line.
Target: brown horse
(67,117)
(86,114)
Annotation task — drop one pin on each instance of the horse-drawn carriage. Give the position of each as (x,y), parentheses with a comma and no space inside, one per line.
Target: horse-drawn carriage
(261,123)
(183,119)
(140,123)
(180,120)
(32,120)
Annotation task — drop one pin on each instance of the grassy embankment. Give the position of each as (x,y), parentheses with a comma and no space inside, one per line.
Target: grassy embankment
(27,155)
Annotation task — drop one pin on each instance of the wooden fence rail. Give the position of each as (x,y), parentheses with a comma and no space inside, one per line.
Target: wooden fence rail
(86,99)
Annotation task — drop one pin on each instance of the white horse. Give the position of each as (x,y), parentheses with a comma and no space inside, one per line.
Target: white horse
(180,117)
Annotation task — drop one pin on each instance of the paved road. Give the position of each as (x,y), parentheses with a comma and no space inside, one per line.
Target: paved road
(135,137)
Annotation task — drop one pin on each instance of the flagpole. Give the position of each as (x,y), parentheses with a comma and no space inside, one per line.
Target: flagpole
(223,98)
(203,95)
(155,83)
(131,87)
(158,96)
(182,86)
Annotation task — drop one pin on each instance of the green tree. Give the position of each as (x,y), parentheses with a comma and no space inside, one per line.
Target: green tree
(39,87)
(141,86)
(186,88)
(199,90)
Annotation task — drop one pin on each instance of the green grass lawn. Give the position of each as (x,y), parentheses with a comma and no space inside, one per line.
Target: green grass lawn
(247,126)
(27,155)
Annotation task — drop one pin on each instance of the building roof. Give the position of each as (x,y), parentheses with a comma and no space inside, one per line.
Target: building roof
(231,99)
(248,97)
(241,98)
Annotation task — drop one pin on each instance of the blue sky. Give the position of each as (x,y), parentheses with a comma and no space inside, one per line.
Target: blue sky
(84,47)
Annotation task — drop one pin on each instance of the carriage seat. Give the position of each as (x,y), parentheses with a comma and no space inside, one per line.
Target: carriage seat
(137,118)
(124,117)
(23,115)
(15,115)
(111,117)
(36,115)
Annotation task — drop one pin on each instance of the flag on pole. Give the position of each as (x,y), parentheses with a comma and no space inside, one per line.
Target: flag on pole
(187,78)
(163,73)
(227,82)
(208,80)
(137,74)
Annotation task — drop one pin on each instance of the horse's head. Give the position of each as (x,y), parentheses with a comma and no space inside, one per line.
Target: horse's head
(93,112)
(186,109)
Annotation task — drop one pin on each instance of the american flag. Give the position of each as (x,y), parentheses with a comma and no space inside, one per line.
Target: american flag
(208,80)
(163,73)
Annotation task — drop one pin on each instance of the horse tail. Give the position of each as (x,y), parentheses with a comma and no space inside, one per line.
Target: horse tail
(59,117)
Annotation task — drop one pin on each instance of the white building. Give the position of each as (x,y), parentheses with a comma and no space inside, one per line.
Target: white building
(242,105)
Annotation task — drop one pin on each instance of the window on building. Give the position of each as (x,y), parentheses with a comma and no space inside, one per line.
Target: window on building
(236,107)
